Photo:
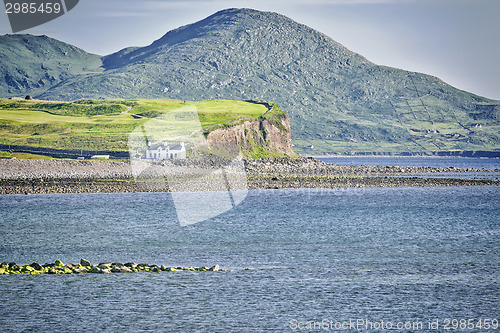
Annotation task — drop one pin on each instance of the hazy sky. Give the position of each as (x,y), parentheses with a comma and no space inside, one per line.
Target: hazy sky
(455,40)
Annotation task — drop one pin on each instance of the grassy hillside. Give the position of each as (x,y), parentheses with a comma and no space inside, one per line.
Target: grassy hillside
(420,121)
(101,125)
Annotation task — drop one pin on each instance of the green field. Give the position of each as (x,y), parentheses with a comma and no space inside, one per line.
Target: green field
(102,125)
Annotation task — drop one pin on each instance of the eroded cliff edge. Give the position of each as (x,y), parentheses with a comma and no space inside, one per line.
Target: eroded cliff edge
(266,136)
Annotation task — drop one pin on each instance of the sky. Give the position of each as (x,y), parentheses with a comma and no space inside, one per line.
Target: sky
(455,40)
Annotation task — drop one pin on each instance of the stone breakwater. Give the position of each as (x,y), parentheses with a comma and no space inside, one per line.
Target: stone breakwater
(86,266)
(63,169)
(312,166)
(70,176)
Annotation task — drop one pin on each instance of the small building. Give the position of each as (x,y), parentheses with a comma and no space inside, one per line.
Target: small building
(165,151)
(99,157)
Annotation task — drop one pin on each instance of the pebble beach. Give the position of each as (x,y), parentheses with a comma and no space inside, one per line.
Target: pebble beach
(18,176)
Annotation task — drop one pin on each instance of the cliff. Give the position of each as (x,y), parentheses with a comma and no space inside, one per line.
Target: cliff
(266,136)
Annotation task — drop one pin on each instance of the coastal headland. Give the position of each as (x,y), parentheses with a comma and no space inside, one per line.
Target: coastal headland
(19,176)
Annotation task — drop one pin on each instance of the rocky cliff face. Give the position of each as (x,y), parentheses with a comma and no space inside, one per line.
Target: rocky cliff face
(263,136)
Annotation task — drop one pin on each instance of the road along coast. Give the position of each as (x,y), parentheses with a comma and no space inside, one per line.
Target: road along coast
(72,176)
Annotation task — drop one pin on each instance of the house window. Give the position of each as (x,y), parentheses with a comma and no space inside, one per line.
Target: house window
(154,155)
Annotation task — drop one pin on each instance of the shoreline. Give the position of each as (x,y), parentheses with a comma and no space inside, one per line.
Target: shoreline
(456,153)
(399,156)
(52,186)
(69,176)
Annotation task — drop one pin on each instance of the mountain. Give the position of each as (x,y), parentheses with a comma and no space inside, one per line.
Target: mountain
(338,101)
(32,65)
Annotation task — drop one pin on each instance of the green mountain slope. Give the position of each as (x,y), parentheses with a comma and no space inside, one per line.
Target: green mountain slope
(337,101)
(32,65)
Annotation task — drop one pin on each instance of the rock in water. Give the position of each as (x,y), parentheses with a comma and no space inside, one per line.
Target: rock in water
(121,269)
(214,268)
(85,262)
(36,266)
(131,264)
(86,267)
(116,270)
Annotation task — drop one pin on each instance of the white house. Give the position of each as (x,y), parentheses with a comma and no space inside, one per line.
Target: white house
(164,151)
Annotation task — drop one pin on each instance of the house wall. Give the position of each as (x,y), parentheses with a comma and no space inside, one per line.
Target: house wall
(166,155)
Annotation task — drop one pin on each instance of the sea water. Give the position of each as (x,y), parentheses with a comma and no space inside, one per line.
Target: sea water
(491,164)
(297,260)
(416,161)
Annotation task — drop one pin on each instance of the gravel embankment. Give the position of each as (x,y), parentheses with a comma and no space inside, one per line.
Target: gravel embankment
(16,169)
(70,176)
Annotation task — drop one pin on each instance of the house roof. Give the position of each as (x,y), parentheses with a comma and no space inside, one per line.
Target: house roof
(163,147)
(176,147)
(155,147)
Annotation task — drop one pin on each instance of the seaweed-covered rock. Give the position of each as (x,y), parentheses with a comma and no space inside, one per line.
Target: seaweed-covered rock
(95,270)
(85,262)
(13,267)
(121,269)
(27,269)
(86,267)
(36,266)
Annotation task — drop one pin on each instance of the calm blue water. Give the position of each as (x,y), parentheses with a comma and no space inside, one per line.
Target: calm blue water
(391,254)
(435,162)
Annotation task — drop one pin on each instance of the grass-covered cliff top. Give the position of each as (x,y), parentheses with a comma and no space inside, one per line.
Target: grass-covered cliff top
(273,113)
(105,124)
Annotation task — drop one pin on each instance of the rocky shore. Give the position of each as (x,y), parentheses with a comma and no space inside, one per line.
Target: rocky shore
(72,176)
(86,266)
